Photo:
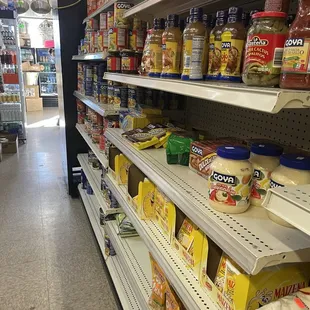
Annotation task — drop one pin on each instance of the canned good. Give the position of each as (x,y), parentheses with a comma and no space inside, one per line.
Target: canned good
(102,143)
(110,15)
(88,72)
(118,39)
(81,117)
(132,96)
(93,42)
(114,62)
(121,96)
(103,24)
(91,156)
(80,106)
(104,93)
(110,94)
(91,24)
(129,63)
(103,36)
(97,119)
(88,88)
(89,190)
(83,179)
(136,40)
(119,9)
(96,132)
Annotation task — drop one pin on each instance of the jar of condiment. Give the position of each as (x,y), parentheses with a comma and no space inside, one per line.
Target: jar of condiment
(114,62)
(295,72)
(233,40)
(264,49)
(231,180)
(171,45)
(155,47)
(265,158)
(129,62)
(293,170)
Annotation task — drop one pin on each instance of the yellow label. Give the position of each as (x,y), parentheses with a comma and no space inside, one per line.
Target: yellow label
(296,56)
(214,56)
(187,56)
(231,54)
(112,41)
(261,183)
(155,58)
(171,57)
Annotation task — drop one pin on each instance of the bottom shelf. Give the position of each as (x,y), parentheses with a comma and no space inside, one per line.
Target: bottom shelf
(119,277)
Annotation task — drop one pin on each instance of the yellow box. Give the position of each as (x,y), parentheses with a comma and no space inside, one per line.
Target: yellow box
(122,164)
(233,289)
(191,256)
(134,121)
(165,214)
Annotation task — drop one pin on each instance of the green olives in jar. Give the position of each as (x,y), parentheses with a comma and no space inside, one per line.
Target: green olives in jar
(264,49)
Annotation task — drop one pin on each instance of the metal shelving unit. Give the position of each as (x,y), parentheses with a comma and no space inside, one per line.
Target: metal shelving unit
(119,277)
(270,100)
(93,146)
(94,178)
(251,239)
(102,109)
(292,204)
(103,8)
(135,260)
(91,56)
(183,280)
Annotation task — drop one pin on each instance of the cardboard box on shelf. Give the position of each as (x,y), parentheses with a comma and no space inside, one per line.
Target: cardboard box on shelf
(32,91)
(11,146)
(33,105)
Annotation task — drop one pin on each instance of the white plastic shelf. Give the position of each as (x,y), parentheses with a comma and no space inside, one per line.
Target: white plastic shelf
(102,109)
(181,278)
(93,146)
(135,260)
(251,238)
(270,100)
(107,6)
(119,277)
(94,179)
(292,204)
(91,56)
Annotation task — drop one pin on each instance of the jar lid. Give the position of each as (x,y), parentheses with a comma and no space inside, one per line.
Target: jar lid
(269,14)
(266,149)
(221,14)
(295,161)
(233,152)
(196,11)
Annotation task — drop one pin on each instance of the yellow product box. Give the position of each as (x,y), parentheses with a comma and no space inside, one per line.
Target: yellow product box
(122,164)
(135,121)
(140,193)
(188,242)
(233,289)
(165,214)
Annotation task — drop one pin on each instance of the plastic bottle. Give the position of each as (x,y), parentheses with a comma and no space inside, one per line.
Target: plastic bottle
(171,45)
(156,47)
(192,66)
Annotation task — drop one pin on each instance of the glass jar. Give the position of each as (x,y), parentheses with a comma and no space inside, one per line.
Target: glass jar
(230,181)
(293,170)
(265,158)
(264,49)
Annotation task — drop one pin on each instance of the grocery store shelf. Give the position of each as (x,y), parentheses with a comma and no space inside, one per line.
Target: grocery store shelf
(93,146)
(178,274)
(119,277)
(292,204)
(102,109)
(91,56)
(270,100)
(49,95)
(135,260)
(94,179)
(103,8)
(251,239)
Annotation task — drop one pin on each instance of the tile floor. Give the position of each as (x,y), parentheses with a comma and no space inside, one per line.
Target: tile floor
(49,258)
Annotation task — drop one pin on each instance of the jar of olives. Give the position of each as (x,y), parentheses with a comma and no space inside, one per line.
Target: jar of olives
(264,49)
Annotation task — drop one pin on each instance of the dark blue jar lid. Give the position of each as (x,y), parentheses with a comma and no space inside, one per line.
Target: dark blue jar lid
(295,161)
(233,152)
(266,149)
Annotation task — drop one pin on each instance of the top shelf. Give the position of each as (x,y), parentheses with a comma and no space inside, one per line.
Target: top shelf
(106,6)
(269,100)
(91,56)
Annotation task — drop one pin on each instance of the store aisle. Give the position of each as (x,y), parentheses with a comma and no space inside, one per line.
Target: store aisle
(49,257)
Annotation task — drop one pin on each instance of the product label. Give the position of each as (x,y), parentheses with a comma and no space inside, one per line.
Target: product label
(113,64)
(110,20)
(296,56)
(119,10)
(117,39)
(132,97)
(198,44)
(231,54)
(171,57)
(155,58)
(136,40)
(128,63)
(230,190)
(261,183)
(214,56)
(274,184)
(187,58)
(264,53)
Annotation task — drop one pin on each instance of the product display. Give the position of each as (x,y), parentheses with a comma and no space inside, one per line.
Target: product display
(125,228)
(293,170)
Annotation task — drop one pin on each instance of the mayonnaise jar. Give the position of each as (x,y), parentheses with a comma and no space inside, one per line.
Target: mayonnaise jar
(230,180)
(293,170)
(265,157)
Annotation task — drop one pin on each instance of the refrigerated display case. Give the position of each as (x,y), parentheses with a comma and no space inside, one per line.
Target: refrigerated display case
(12,101)
(28,54)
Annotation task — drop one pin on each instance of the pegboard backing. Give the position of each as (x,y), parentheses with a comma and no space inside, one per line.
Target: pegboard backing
(289,127)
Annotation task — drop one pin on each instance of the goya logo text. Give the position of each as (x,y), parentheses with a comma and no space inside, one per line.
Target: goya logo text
(257,41)
(223,178)
(226,44)
(257,174)
(197,150)
(274,184)
(125,6)
(294,42)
